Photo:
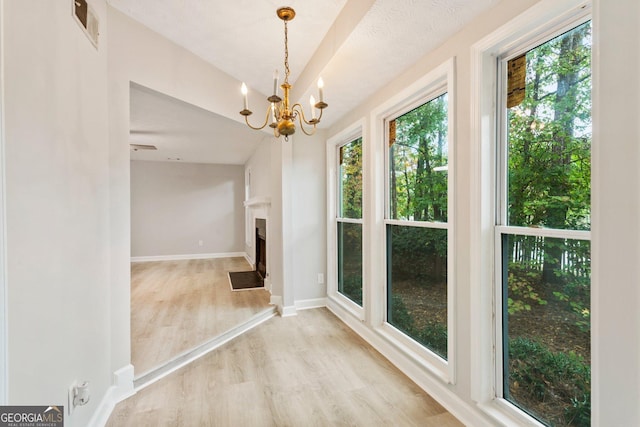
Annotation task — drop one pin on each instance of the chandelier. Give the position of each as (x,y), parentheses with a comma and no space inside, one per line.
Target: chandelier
(281,116)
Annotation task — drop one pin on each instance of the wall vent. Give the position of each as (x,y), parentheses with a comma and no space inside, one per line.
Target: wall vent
(87,19)
(136,147)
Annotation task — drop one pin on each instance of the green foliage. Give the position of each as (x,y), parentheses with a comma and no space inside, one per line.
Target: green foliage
(352,288)
(350,261)
(539,374)
(399,316)
(550,137)
(579,413)
(522,288)
(433,335)
(580,307)
(351,179)
(418,159)
(418,253)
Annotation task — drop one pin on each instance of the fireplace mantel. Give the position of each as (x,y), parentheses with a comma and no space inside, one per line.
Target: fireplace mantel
(256,202)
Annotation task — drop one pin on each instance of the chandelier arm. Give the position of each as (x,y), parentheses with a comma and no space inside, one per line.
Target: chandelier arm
(303,121)
(266,120)
(300,110)
(318,118)
(308,133)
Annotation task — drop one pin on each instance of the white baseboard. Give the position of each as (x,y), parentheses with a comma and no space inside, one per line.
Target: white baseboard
(311,303)
(276,300)
(121,389)
(282,310)
(286,311)
(466,413)
(292,310)
(187,256)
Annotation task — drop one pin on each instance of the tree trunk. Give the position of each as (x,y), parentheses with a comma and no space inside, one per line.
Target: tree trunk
(565,99)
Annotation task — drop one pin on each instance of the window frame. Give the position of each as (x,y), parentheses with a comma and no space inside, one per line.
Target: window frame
(540,23)
(348,135)
(435,83)
(502,227)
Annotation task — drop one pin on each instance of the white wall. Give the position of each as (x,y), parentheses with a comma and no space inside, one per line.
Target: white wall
(309,212)
(279,227)
(616,215)
(57,205)
(175,206)
(260,165)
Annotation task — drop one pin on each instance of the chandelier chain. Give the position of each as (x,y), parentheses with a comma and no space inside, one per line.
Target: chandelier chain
(286,54)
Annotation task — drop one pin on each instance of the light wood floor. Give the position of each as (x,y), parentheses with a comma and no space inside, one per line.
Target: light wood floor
(177,305)
(305,370)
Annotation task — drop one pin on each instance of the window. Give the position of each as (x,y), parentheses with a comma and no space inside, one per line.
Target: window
(417,224)
(349,220)
(542,233)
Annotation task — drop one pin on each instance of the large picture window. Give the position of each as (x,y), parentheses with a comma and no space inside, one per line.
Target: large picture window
(542,233)
(417,223)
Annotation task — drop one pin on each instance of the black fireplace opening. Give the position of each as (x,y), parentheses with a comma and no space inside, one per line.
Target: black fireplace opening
(261,247)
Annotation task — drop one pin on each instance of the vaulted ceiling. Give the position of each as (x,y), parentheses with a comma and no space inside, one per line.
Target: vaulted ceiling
(357,46)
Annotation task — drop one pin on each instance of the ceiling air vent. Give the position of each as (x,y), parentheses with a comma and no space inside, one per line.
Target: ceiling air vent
(136,147)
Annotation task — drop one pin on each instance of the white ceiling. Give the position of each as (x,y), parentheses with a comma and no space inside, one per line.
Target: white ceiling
(184,132)
(357,46)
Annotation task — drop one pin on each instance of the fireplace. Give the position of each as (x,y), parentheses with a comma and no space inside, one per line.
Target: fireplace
(261,247)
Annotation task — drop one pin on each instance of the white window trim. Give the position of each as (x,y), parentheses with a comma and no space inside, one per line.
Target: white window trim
(525,28)
(438,81)
(349,134)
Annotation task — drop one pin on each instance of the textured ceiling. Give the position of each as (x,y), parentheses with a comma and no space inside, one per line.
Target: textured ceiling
(243,38)
(357,46)
(393,35)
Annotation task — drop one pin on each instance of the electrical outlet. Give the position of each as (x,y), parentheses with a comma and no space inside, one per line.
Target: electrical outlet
(200,242)
(79,395)
(320,278)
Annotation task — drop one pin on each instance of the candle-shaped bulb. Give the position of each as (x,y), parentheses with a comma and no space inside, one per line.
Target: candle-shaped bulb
(312,102)
(320,89)
(275,82)
(244,91)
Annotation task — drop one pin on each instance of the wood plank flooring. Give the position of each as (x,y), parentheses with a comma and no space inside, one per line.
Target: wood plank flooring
(177,305)
(305,370)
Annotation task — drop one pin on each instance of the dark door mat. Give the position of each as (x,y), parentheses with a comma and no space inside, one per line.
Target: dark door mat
(243,280)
